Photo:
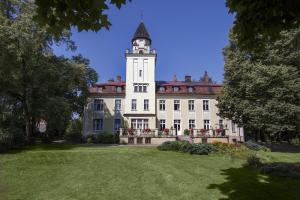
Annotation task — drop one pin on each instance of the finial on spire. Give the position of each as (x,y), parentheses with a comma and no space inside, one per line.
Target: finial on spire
(142,17)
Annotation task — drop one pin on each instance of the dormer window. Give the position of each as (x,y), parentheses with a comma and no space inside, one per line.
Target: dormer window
(162,89)
(176,89)
(141,52)
(119,89)
(190,89)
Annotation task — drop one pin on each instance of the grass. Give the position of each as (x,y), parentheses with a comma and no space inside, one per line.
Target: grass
(67,172)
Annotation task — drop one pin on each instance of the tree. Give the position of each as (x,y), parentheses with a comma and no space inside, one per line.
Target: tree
(257,22)
(61,15)
(262,90)
(40,84)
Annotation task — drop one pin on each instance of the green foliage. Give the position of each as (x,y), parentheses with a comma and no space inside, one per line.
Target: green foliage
(34,83)
(255,146)
(6,141)
(254,161)
(257,22)
(107,138)
(61,15)
(74,131)
(202,149)
(261,90)
(185,146)
(186,132)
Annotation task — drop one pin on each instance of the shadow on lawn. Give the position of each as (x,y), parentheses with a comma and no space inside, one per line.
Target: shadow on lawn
(246,183)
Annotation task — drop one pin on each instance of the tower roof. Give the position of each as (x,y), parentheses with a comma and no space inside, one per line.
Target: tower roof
(141,33)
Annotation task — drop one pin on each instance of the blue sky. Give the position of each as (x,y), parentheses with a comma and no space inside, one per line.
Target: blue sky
(187,35)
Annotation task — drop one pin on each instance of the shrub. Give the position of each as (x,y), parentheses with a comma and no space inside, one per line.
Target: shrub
(202,149)
(255,146)
(253,161)
(74,131)
(186,132)
(6,141)
(107,138)
(185,146)
(171,146)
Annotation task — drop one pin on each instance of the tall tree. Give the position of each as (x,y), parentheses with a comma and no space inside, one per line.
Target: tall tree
(61,15)
(40,83)
(262,90)
(257,22)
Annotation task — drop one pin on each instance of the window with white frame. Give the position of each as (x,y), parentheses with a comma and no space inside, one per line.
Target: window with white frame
(98,124)
(191,105)
(177,105)
(206,124)
(98,105)
(177,124)
(205,105)
(133,104)
(221,125)
(140,73)
(119,89)
(190,89)
(139,123)
(118,105)
(117,124)
(162,89)
(233,127)
(162,124)
(162,105)
(191,124)
(140,87)
(146,104)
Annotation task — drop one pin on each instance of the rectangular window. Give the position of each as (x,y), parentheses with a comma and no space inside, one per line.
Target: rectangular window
(117,124)
(133,104)
(117,104)
(176,104)
(191,105)
(205,105)
(146,104)
(140,87)
(140,73)
(162,124)
(233,127)
(206,124)
(139,123)
(177,124)
(98,105)
(221,125)
(98,124)
(191,124)
(162,104)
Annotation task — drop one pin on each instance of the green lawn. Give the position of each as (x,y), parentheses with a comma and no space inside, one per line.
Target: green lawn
(93,172)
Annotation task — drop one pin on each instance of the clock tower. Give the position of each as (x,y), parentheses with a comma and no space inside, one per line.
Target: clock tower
(140,81)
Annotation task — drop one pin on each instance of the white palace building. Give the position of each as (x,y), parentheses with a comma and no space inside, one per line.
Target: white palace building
(143,110)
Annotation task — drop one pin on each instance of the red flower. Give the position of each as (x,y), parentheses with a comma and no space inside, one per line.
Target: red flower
(166,131)
(147,130)
(130,131)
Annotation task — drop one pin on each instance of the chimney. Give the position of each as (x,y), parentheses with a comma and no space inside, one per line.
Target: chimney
(187,78)
(118,78)
(175,78)
(110,80)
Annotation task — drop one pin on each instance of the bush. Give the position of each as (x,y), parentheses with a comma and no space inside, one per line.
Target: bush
(227,147)
(107,138)
(74,131)
(202,149)
(255,146)
(186,132)
(254,161)
(185,146)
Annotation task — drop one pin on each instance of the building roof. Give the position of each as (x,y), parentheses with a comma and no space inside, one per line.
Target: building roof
(205,86)
(141,33)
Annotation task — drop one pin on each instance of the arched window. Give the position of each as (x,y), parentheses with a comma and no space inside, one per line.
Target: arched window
(141,52)
(175,89)
(190,89)
(119,89)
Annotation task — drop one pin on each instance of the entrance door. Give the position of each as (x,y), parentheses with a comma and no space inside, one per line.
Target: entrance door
(177,126)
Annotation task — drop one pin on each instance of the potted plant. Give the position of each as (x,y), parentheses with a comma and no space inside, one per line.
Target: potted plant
(166,131)
(202,131)
(130,131)
(147,130)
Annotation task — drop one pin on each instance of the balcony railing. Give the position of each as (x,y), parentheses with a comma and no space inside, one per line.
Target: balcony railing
(172,132)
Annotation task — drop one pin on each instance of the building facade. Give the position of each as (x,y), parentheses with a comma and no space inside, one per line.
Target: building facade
(143,106)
